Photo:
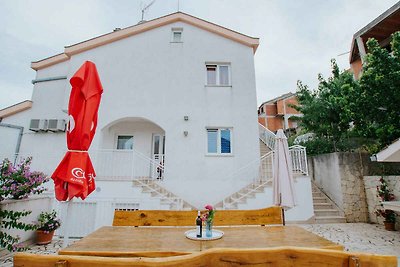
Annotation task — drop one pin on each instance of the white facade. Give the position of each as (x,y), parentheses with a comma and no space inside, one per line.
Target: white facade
(150,85)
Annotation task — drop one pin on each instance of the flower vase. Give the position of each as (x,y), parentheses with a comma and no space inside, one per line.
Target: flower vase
(390,226)
(209,229)
(43,237)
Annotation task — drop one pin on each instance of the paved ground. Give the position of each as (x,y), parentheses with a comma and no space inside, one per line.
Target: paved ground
(361,237)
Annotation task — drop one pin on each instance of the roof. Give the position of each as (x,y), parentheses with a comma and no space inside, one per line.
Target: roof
(142,27)
(284,96)
(8,111)
(390,153)
(380,28)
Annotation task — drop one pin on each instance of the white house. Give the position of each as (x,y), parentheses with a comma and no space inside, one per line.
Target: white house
(179,101)
(176,87)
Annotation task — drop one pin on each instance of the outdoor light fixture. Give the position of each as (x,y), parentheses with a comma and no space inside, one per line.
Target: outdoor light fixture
(186,118)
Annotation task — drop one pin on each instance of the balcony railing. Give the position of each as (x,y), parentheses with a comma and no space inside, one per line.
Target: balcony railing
(109,164)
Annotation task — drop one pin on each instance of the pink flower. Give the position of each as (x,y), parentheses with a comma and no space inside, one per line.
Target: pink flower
(209,207)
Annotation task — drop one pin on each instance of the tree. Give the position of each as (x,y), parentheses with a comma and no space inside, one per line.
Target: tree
(326,110)
(375,103)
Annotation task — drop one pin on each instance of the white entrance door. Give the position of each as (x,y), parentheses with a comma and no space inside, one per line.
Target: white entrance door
(158,156)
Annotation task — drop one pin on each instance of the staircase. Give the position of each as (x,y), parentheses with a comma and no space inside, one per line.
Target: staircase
(240,197)
(264,149)
(173,202)
(257,186)
(324,209)
(257,181)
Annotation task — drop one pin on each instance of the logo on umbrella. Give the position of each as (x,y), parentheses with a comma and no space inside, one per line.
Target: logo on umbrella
(71,123)
(78,173)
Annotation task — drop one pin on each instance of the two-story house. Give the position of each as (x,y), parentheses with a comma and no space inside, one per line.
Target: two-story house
(178,92)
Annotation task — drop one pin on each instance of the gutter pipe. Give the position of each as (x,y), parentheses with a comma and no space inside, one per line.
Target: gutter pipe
(21,131)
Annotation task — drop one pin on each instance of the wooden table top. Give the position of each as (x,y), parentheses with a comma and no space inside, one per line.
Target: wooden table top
(171,241)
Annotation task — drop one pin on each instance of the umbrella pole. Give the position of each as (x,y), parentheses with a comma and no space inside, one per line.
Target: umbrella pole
(283,210)
(67,224)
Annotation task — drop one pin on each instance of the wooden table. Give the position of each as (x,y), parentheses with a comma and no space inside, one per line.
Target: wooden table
(170,241)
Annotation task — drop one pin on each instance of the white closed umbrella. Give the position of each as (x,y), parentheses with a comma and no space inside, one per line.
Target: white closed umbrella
(283,186)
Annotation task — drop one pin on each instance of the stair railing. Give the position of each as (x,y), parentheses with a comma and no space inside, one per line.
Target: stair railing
(298,153)
(256,172)
(266,136)
(298,156)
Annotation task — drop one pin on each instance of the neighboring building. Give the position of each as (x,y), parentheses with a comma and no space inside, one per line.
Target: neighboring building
(380,29)
(278,113)
(174,92)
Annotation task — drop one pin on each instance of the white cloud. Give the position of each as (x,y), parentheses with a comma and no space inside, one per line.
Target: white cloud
(297,38)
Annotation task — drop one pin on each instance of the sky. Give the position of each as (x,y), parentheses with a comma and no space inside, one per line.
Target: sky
(297,38)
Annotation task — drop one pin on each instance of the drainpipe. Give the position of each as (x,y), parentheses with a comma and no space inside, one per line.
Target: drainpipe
(21,131)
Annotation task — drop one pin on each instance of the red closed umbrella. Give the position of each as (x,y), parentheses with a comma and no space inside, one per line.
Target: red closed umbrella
(74,176)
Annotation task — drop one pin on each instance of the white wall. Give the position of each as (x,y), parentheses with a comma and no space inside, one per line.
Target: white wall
(36,204)
(328,177)
(147,76)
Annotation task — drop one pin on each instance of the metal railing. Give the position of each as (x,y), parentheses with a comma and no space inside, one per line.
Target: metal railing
(298,153)
(266,136)
(255,173)
(109,164)
(93,213)
(298,157)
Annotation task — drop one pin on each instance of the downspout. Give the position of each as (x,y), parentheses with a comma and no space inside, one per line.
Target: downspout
(21,131)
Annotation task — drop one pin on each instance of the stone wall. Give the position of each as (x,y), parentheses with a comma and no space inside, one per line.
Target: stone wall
(371,182)
(340,176)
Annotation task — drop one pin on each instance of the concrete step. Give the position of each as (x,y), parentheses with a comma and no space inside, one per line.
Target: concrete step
(327,212)
(323,206)
(317,194)
(330,219)
(320,200)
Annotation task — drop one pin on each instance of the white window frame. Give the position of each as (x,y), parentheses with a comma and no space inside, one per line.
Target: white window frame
(218,129)
(116,141)
(173,31)
(218,74)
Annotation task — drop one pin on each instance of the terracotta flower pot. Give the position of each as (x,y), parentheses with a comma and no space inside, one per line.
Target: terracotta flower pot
(389,226)
(44,238)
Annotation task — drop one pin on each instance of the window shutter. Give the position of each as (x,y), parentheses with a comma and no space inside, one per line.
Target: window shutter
(212,139)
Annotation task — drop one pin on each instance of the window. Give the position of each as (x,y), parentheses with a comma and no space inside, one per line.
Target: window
(177,35)
(219,141)
(125,142)
(218,74)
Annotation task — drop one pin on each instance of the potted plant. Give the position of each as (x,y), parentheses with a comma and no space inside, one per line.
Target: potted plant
(385,194)
(47,224)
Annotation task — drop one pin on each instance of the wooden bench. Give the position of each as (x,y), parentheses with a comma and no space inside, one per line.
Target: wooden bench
(266,216)
(281,256)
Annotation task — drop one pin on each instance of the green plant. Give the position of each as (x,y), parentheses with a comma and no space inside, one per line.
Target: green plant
(209,215)
(11,219)
(48,221)
(385,194)
(17,182)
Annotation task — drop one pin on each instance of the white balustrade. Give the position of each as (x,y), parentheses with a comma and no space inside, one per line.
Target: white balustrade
(298,156)
(93,213)
(266,136)
(109,164)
